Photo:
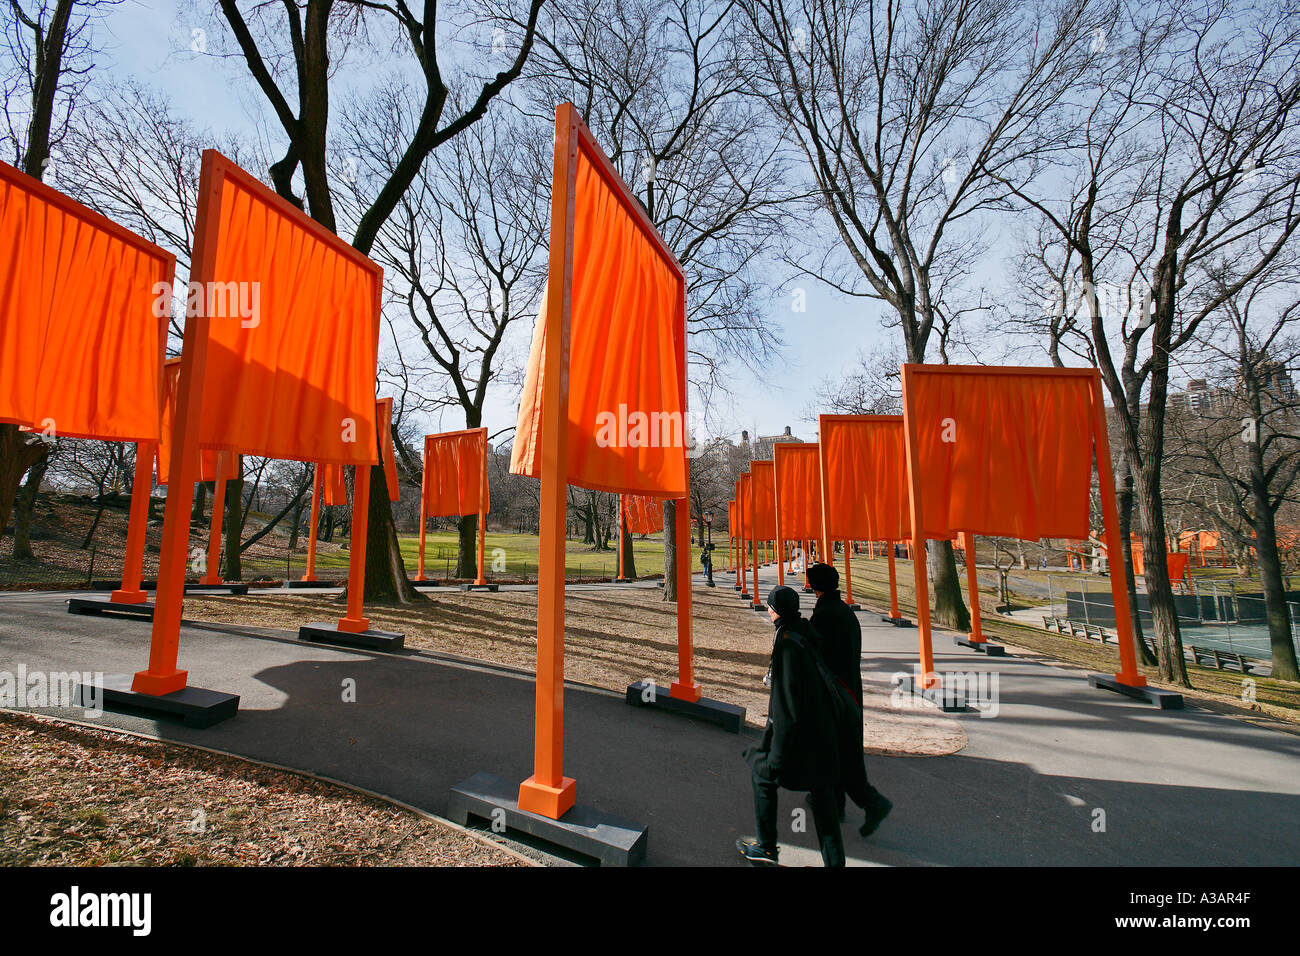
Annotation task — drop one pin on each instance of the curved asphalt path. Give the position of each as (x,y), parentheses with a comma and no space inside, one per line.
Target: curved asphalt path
(1187,788)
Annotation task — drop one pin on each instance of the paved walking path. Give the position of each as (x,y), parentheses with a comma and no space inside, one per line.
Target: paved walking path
(1190,788)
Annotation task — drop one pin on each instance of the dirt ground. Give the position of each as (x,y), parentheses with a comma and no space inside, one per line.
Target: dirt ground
(74,796)
(612,638)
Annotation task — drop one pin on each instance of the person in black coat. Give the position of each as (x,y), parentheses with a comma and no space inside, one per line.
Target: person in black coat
(798,750)
(840,641)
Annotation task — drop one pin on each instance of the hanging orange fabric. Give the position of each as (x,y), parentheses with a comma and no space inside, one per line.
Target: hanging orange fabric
(453,473)
(627,355)
(387,453)
(1001,451)
(763,475)
(293,331)
(83,317)
(210,462)
(798,488)
(733,529)
(1177,562)
(747,504)
(333,485)
(644,515)
(865,477)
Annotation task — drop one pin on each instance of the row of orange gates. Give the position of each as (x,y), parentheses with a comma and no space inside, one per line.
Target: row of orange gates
(84,307)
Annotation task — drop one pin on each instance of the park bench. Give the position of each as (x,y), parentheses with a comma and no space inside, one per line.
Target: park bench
(1054,624)
(1094,630)
(1220,659)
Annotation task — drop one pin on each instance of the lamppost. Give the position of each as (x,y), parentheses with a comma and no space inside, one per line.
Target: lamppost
(708,548)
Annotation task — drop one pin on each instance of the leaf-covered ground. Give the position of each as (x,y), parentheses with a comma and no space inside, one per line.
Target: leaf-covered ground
(74,796)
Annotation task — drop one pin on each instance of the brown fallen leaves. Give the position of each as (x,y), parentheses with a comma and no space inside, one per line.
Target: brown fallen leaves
(76,796)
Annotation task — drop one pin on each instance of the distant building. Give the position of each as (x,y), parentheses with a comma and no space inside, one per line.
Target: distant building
(762,449)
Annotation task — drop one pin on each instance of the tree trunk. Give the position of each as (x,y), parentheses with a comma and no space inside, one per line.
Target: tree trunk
(949,607)
(629,558)
(1270,573)
(1124,507)
(670,550)
(18,452)
(200,501)
(234,507)
(297,520)
(1160,594)
(23,508)
(386,578)
(467,547)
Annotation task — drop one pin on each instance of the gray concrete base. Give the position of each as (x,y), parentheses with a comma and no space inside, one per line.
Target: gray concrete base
(727,716)
(611,840)
(983,647)
(97,606)
(1164,699)
(314,584)
(896,621)
(371,640)
(427,583)
(947,699)
(479,587)
(193,706)
(216,589)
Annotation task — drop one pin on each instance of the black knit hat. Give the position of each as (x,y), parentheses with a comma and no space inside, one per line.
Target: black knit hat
(784,600)
(823,578)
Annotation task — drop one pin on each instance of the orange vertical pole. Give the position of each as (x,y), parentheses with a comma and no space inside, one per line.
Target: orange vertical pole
(776,517)
(893,585)
(133,561)
(622,523)
(753,510)
(548,792)
(354,621)
(1110,515)
(482,520)
(213,573)
(742,548)
(848,576)
(424,514)
(310,574)
(912,448)
(973,588)
(162,676)
(685,687)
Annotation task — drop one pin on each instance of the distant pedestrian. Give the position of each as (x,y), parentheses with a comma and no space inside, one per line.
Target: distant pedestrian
(798,750)
(840,635)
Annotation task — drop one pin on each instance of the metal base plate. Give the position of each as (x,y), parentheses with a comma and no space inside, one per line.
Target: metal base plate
(727,716)
(370,640)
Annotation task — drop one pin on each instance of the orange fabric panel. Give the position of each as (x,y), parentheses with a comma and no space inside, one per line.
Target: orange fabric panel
(746,505)
(296,377)
(388,454)
(81,338)
(1177,563)
(798,480)
(732,526)
(210,462)
(333,485)
(645,515)
(1001,452)
(763,486)
(453,472)
(866,477)
(627,355)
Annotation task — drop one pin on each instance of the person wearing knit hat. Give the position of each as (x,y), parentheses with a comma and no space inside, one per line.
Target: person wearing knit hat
(799,749)
(839,639)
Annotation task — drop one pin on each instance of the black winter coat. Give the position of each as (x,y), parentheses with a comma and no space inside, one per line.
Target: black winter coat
(799,749)
(839,638)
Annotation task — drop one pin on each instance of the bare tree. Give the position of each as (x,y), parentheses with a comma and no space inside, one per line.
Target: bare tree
(1185,158)
(287,50)
(907,116)
(464,254)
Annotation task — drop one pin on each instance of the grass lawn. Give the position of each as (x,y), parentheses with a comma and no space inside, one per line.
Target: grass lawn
(508,556)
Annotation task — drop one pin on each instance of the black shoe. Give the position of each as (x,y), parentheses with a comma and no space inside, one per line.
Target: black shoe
(876,814)
(755,854)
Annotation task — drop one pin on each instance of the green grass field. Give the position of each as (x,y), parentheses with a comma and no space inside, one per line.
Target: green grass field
(508,556)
